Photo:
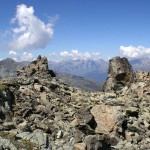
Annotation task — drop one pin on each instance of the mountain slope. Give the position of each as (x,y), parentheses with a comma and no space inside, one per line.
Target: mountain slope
(92,69)
(80,82)
(79,67)
(141,64)
(8,67)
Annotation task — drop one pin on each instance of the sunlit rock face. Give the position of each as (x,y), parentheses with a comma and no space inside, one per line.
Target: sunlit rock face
(120,74)
(37,67)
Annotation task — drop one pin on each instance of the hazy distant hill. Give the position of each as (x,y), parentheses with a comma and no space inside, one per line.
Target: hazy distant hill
(97,75)
(79,67)
(80,82)
(93,69)
(141,64)
(8,67)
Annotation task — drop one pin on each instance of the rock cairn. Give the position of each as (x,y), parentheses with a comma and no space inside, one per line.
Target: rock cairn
(40,112)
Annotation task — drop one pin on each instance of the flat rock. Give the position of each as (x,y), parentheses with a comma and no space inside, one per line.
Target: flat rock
(105,117)
(79,146)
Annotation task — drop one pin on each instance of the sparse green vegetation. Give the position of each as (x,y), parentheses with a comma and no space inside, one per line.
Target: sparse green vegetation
(3,87)
(25,144)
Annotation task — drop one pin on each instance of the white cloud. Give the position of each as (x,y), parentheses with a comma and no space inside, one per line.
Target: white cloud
(64,54)
(134,52)
(53,54)
(27,56)
(31,32)
(74,54)
(21,57)
(12,53)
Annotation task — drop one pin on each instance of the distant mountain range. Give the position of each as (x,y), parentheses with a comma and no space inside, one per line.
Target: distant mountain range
(141,64)
(94,69)
(8,67)
(79,73)
(83,83)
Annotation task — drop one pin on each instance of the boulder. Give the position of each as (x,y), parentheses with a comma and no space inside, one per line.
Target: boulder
(80,146)
(93,142)
(106,117)
(120,74)
(6,144)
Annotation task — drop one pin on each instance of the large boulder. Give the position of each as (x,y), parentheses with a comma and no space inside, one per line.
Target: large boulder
(120,74)
(107,118)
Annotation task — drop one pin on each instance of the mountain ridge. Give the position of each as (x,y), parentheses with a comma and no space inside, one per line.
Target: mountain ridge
(95,69)
(9,67)
(90,69)
(39,111)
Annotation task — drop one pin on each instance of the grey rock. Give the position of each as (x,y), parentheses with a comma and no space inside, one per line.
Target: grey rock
(59,134)
(53,115)
(37,67)
(6,144)
(120,74)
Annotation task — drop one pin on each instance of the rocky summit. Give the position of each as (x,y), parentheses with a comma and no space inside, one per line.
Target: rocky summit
(40,112)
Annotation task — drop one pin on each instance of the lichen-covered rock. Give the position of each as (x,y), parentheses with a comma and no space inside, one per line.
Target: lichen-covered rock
(120,74)
(107,118)
(6,144)
(38,67)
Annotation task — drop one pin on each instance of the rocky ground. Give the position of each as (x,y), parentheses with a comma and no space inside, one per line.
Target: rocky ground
(40,112)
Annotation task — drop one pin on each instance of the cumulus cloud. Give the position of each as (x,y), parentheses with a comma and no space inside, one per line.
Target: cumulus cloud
(27,56)
(74,54)
(64,54)
(31,32)
(134,52)
(14,55)
(21,57)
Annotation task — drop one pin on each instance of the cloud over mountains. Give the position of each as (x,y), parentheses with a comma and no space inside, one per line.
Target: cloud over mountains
(21,57)
(134,52)
(74,54)
(31,32)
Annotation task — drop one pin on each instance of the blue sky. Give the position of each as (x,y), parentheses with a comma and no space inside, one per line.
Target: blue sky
(85,29)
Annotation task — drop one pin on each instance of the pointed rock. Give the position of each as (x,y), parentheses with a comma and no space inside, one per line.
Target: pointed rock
(38,67)
(120,74)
